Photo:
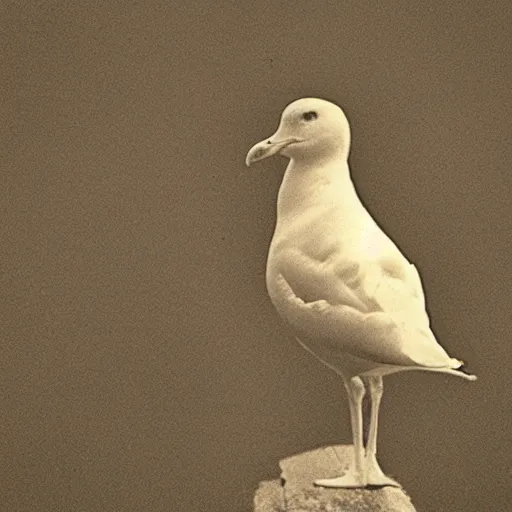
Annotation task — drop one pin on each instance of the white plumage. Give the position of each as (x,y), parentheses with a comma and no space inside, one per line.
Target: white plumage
(343,286)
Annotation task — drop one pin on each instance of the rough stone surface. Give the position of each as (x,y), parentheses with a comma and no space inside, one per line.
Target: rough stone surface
(269,497)
(297,493)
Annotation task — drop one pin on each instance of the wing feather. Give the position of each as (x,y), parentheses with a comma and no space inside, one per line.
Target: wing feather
(371,308)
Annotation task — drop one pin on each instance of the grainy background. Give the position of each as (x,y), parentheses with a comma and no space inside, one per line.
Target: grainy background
(142,365)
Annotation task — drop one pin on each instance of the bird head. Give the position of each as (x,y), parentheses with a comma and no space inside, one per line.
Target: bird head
(310,128)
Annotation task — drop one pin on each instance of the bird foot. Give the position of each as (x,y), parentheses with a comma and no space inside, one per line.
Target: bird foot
(349,480)
(375,476)
(352,479)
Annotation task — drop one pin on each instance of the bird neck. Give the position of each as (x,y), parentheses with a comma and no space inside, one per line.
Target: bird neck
(308,186)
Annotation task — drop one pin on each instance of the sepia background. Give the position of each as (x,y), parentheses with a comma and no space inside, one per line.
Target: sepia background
(143,367)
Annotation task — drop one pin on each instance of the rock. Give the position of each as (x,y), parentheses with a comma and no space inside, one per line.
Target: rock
(269,497)
(297,493)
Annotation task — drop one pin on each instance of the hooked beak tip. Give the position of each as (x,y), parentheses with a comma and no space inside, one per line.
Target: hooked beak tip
(257,153)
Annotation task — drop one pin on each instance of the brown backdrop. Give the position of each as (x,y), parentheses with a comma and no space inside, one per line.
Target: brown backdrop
(143,367)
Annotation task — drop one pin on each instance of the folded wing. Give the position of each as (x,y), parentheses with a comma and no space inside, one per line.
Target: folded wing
(371,308)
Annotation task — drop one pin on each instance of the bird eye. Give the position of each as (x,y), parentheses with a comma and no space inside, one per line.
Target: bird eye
(309,116)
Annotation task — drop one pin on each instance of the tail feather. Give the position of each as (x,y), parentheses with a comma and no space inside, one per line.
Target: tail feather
(460,366)
(459,371)
(463,369)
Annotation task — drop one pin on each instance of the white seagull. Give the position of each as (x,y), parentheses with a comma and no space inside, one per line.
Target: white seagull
(343,286)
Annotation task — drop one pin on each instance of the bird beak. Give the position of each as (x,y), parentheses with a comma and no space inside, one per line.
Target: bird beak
(267,148)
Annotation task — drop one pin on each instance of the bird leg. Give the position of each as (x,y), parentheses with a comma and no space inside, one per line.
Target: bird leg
(374,474)
(355,476)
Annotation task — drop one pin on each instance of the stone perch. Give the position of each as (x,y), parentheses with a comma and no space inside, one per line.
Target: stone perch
(297,493)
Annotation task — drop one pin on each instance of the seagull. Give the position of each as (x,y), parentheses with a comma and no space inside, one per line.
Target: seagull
(349,295)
